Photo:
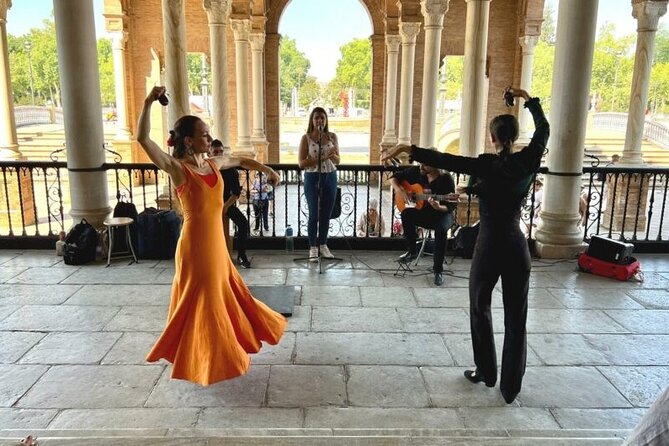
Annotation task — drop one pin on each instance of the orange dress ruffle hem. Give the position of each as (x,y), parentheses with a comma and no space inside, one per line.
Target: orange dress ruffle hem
(213,321)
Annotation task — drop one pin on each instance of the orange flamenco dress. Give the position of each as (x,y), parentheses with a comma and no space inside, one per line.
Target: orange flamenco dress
(213,321)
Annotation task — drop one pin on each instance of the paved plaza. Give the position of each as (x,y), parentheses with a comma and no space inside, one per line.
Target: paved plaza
(368,359)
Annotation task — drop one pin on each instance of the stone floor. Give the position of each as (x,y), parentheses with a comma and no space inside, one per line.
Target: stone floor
(364,350)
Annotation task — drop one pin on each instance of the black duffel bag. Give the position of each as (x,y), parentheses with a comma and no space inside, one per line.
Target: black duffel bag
(157,233)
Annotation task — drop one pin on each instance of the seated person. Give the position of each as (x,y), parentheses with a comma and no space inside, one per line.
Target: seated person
(370,222)
(434,213)
(231,192)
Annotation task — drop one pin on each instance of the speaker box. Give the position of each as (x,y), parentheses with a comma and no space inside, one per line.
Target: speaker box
(612,251)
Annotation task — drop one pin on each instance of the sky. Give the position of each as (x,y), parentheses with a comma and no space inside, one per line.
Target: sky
(320,27)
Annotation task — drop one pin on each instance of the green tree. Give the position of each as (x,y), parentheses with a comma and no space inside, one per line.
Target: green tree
(354,70)
(612,67)
(452,76)
(293,68)
(106,64)
(309,92)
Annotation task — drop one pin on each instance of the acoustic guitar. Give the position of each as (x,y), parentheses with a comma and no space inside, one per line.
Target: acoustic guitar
(417,195)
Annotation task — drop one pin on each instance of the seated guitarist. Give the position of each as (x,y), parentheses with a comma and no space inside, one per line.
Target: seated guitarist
(425,210)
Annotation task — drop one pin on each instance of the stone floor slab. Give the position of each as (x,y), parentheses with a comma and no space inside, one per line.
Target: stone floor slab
(35,294)
(448,387)
(442,297)
(122,295)
(371,348)
(42,276)
(15,380)
(434,320)
(640,385)
(59,318)
(138,318)
(507,418)
(71,348)
(382,418)
(92,387)
(387,297)
(14,344)
(338,296)
(116,276)
(26,419)
(460,347)
(573,387)
(354,319)
(247,417)
(282,353)
(131,348)
(9,272)
(602,298)
(129,418)
(301,318)
(566,321)
(652,299)
(264,276)
(632,349)
(306,386)
(642,321)
(566,349)
(386,386)
(248,391)
(598,418)
(333,277)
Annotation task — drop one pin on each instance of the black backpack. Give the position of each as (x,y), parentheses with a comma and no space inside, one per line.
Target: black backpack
(125,209)
(158,233)
(465,240)
(80,244)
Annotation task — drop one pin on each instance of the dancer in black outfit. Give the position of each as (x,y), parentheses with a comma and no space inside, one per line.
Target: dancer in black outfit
(503,180)
(232,190)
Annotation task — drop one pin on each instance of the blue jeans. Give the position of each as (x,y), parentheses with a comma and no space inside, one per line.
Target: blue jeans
(329,185)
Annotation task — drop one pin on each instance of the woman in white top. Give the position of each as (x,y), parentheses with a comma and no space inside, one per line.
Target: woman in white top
(319,138)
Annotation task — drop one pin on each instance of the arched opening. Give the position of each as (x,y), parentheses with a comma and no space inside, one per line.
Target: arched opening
(324,63)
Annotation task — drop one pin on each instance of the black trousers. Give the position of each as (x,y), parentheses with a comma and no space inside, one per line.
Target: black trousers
(500,253)
(428,218)
(261,212)
(240,220)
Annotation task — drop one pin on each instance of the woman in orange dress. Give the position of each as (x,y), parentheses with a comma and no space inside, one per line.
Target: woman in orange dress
(213,321)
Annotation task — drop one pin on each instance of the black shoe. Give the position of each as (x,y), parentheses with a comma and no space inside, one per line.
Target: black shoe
(475,377)
(243,261)
(407,257)
(438,279)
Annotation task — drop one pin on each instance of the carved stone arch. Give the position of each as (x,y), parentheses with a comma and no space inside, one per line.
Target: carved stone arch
(274,11)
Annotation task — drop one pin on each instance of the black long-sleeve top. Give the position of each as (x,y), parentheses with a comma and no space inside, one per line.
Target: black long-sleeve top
(502,180)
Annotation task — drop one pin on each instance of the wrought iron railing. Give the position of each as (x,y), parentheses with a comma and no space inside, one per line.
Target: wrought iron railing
(621,203)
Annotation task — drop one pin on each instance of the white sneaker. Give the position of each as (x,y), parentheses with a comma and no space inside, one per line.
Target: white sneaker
(313,254)
(325,252)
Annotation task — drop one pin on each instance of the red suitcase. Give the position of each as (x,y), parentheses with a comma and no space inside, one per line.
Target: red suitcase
(603,268)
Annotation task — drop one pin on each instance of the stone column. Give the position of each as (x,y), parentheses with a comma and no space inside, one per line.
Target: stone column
(176,76)
(472,117)
(527,43)
(218,12)
(241,28)
(628,195)
(9,147)
(80,92)
(392,51)
(257,71)
(272,91)
(648,14)
(559,235)
(119,39)
(408,33)
(433,11)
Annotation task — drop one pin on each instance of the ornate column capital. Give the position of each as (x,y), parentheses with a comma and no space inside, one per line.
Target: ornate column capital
(241,28)
(393,43)
(218,11)
(257,41)
(648,13)
(409,31)
(433,11)
(4,7)
(527,43)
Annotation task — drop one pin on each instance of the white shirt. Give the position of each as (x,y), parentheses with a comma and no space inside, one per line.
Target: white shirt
(312,152)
